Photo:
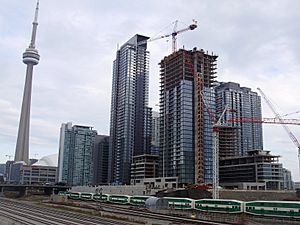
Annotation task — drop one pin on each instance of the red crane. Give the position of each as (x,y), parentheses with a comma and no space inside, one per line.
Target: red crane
(282,122)
(265,120)
(277,120)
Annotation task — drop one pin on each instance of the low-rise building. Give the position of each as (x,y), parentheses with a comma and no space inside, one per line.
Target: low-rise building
(44,171)
(258,170)
(160,182)
(144,166)
(37,174)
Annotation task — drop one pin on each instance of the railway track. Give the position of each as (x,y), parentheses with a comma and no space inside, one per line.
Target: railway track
(30,213)
(152,215)
(27,213)
(106,207)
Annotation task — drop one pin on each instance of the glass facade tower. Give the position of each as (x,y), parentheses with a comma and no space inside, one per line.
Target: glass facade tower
(243,103)
(77,143)
(129,112)
(187,79)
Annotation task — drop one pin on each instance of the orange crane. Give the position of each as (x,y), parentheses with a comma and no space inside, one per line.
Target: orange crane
(173,34)
(282,122)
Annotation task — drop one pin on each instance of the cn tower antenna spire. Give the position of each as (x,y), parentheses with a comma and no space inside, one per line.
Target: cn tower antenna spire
(36,11)
(34,25)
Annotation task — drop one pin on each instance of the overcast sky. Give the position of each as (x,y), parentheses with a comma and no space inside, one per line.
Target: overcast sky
(257,43)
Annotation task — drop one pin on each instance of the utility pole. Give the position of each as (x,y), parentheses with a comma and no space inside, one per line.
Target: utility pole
(99,192)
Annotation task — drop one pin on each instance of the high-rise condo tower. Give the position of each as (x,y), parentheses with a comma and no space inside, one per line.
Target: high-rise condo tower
(187,78)
(129,112)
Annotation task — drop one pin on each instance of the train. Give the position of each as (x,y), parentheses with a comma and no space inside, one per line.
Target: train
(285,209)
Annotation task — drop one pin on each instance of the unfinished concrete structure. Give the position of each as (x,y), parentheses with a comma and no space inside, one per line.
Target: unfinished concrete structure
(187,79)
(228,141)
(143,166)
(258,170)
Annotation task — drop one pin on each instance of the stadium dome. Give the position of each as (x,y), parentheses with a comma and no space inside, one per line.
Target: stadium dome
(49,160)
(20,162)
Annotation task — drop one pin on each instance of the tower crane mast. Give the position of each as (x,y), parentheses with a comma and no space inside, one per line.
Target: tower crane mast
(286,128)
(216,129)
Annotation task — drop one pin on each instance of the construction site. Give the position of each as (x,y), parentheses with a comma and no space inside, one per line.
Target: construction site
(186,77)
(203,123)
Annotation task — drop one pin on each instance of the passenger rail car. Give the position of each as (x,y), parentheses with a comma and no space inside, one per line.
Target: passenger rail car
(86,196)
(283,209)
(180,203)
(138,200)
(273,208)
(121,199)
(64,193)
(74,195)
(98,197)
(219,205)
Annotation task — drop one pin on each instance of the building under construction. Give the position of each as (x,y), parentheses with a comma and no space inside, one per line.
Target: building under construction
(258,170)
(187,76)
(228,141)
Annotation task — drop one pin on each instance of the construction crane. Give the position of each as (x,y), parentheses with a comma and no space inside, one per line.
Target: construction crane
(264,120)
(173,34)
(288,114)
(216,132)
(215,126)
(286,128)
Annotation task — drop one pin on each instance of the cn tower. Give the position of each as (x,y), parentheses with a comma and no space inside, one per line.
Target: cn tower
(31,58)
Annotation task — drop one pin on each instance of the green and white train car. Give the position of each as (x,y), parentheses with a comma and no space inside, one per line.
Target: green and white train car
(219,205)
(180,203)
(64,193)
(119,199)
(273,208)
(138,200)
(98,197)
(74,195)
(86,196)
